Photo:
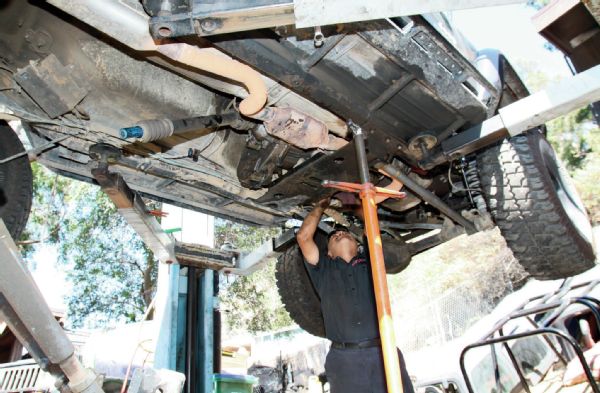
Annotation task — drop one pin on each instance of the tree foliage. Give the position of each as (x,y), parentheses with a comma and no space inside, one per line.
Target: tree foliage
(112,273)
(250,303)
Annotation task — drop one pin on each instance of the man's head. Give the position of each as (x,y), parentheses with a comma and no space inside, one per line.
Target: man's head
(341,243)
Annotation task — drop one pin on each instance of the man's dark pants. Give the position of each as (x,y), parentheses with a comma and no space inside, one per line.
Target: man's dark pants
(360,371)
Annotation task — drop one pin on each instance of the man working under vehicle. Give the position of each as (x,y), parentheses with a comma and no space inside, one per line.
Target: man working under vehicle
(342,278)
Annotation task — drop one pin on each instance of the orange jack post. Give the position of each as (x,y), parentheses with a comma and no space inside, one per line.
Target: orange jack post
(368,192)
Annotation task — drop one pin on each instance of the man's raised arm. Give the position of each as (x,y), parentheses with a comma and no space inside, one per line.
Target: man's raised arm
(305,235)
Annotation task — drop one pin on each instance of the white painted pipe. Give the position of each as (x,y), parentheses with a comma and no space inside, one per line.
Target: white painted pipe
(128,24)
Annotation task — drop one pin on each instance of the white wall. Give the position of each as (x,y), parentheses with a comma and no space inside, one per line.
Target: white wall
(195,227)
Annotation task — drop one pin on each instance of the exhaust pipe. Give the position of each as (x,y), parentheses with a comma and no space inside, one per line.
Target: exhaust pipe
(230,69)
(126,22)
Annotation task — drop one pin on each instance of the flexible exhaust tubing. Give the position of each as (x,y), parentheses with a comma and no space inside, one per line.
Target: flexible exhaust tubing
(127,23)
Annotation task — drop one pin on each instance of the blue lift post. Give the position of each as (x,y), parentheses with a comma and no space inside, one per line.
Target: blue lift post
(189,340)
(199,324)
(189,332)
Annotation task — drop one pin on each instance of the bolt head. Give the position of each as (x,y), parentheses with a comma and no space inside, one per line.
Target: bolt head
(208,25)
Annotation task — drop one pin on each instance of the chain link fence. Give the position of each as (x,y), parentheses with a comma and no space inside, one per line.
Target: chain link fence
(442,319)
(428,316)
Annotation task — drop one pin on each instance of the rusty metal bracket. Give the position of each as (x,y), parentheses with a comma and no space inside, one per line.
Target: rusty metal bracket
(197,255)
(205,19)
(130,205)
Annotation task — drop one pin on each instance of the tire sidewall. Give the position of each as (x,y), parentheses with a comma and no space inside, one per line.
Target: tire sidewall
(16,183)
(297,292)
(550,166)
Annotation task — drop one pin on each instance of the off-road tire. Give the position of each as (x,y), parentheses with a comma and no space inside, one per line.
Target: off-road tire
(536,207)
(297,292)
(16,183)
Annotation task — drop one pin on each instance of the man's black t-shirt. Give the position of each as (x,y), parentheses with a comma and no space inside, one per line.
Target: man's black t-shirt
(347,298)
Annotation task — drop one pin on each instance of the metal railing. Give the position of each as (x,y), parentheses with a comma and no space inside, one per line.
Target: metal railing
(550,307)
(24,376)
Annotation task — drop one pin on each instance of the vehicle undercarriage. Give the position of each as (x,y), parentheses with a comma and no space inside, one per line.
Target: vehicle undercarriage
(81,76)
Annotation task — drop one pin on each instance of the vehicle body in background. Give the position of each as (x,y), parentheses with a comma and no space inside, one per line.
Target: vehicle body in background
(438,369)
(150,90)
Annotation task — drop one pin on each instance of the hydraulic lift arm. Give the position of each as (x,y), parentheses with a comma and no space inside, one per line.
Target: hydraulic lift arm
(24,309)
(557,100)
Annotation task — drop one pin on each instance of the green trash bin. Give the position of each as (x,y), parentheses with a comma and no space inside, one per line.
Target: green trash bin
(229,383)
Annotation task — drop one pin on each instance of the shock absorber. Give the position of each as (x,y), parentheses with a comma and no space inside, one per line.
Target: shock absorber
(470,174)
(155,129)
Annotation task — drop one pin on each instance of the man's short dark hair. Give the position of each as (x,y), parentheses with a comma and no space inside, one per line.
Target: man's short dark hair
(336,228)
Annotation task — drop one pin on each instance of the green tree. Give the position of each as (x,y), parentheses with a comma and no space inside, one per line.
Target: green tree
(113,274)
(250,303)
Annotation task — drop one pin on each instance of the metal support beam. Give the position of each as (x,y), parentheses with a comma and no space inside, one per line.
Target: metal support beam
(559,99)
(205,331)
(199,341)
(469,141)
(249,263)
(390,92)
(191,336)
(311,13)
(24,309)
(206,19)
(205,257)
(428,197)
(133,209)
(170,288)
(211,19)
(165,248)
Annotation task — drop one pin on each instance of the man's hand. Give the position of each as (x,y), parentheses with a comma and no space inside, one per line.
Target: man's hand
(323,203)
(305,234)
(347,199)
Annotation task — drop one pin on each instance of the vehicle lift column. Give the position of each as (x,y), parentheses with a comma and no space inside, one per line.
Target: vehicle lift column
(188,284)
(189,335)
(194,323)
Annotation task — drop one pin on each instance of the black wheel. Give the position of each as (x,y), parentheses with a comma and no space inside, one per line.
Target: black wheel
(16,183)
(536,207)
(297,292)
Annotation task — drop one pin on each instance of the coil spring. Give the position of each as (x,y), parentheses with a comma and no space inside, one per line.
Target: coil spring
(472,182)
